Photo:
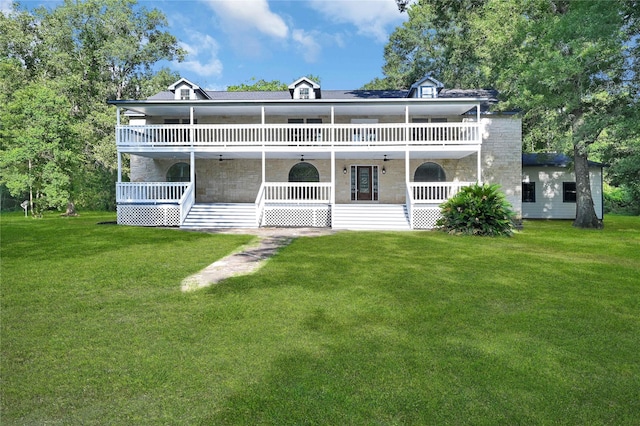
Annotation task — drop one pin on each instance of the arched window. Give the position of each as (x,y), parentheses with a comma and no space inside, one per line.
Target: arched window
(429,172)
(179,172)
(304,172)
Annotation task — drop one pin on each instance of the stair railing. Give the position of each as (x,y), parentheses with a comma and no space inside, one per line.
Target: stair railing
(186,202)
(410,203)
(260,200)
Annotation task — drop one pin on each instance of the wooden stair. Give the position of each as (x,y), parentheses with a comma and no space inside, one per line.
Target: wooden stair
(221,215)
(383,217)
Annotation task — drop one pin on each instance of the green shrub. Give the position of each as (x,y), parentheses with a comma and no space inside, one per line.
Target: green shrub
(477,210)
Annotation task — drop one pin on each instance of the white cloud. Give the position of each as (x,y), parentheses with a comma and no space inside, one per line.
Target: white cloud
(202,55)
(6,6)
(308,46)
(372,18)
(242,15)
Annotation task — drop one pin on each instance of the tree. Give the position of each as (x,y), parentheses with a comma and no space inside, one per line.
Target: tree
(255,85)
(87,52)
(561,63)
(38,153)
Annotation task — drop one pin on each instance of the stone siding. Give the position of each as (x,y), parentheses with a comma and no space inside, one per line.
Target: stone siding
(502,156)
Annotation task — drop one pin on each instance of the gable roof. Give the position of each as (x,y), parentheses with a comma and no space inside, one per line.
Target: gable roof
(551,159)
(195,87)
(427,78)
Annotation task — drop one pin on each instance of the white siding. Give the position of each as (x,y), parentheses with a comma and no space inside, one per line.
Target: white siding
(548,183)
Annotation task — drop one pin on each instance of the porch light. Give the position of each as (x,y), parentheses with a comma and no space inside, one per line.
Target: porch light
(302,158)
(384,171)
(385,158)
(344,171)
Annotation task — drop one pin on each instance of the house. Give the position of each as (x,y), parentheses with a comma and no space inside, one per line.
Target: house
(549,187)
(309,157)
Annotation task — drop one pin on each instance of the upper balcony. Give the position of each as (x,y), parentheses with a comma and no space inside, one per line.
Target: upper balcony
(297,135)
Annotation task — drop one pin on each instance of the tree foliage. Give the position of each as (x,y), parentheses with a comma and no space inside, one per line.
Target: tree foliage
(569,67)
(255,85)
(87,52)
(39,152)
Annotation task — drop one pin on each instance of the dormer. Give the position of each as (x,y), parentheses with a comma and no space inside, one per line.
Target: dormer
(426,88)
(184,90)
(303,88)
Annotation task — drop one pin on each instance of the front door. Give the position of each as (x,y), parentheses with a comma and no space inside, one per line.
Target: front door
(364,189)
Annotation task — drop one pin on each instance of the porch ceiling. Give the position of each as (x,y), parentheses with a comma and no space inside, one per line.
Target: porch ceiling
(376,155)
(392,107)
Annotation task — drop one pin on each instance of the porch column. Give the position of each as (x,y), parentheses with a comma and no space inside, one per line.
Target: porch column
(191,129)
(192,167)
(333,177)
(264,163)
(119,167)
(479,165)
(406,121)
(262,121)
(406,166)
(333,124)
(118,143)
(479,160)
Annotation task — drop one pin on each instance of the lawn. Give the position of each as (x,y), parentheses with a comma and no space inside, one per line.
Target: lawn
(352,328)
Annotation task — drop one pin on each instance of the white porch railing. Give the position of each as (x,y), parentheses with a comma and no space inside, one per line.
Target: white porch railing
(322,135)
(298,192)
(260,205)
(434,192)
(151,192)
(187,201)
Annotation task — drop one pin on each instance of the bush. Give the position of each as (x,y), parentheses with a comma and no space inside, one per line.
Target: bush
(620,200)
(477,210)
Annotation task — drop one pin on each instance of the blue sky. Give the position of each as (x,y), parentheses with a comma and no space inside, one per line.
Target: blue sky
(231,41)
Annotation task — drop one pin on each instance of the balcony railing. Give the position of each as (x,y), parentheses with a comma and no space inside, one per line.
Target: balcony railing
(296,192)
(151,192)
(291,135)
(434,192)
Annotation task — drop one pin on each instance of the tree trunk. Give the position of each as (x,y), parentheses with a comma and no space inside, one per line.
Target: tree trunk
(585,210)
(71,210)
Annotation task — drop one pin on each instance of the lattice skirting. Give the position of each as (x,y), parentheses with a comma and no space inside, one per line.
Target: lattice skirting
(149,215)
(425,217)
(297,216)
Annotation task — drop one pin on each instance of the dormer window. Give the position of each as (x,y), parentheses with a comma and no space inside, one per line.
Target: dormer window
(184,90)
(426,88)
(303,88)
(427,92)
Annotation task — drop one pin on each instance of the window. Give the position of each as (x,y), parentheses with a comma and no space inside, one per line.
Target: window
(304,172)
(528,192)
(184,94)
(427,92)
(429,172)
(568,192)
(304,93)
(179,172)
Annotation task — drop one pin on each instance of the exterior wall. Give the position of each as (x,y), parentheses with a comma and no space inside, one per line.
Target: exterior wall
(502,157)
(238,180)
(145,169)
(229,181)
(548,182)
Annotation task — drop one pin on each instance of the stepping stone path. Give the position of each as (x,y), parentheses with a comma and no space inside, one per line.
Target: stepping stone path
(251,257)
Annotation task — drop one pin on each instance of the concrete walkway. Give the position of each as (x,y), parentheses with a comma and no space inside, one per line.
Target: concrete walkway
(249,258)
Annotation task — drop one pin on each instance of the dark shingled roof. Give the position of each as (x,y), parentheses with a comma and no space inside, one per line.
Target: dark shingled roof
(551,159)
(333,94)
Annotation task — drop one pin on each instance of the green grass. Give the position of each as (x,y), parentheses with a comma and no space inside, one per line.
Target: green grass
(352,328)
